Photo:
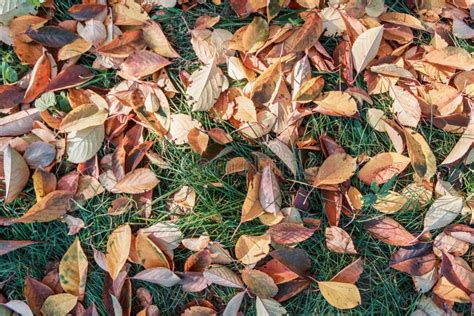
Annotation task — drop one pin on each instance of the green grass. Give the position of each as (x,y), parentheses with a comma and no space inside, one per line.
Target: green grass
(217,213)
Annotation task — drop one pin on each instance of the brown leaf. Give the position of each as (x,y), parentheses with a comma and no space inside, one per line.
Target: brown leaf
(265,86)
(291,289)
(51,207)
(51,36)
(40,76)
(40,155)
(19,123)
(390,231)
(141,64)
(157,41)
(332,201)
(71,76)
(138,181)
(383,167)
(16,173)
(36,293)
(453,57)
(84,12)
(7,246)
(290,233)
(123,45)
(306,36)
(150,254)
(10,96)
(351,273)
(336,103)
(260,283)
(295,259)
(458,272)
(338,240)
(414,260)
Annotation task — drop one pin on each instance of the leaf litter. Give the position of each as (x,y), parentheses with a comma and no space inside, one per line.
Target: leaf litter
(103,136)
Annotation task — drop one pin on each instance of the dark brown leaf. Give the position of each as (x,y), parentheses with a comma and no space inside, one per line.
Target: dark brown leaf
(51,36)
(70,77)
(10,96)
(414,260)
(36,293)
(84,12)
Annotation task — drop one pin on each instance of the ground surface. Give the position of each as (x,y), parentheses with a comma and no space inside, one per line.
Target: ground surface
(384,290)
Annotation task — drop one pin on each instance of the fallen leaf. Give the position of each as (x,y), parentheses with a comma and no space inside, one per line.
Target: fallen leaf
(141,64)
(157,41)
(260,283)
(40,76)
(118,247)
(414,260)
(383,167)
(206,85)
(338,240)
(161,276)
(422,158)
(390,231)
(59,304)
(290,233)
(366,47)
(250,249)
(336,169)
(442,212)
(138,181)
(223,276)
(36,293)
(73,270)
(340,295)
(336,103)
(16,173)
(269,194)
(7,246)
(405,106)
(83,144)
(51,207)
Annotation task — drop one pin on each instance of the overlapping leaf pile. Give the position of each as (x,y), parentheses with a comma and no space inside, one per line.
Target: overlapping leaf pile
(260,80)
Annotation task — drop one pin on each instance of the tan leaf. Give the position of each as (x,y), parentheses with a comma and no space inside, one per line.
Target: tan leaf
(223,276)
(285,154)
(73,270)
(198,140)
(82,117)
(246,111)
(383,167)
(402,19)
(250,249)
(74,49)
(260,283)
(442,212)
(161,276)
(206,85)
(82,145)
(157,41)
(118,248)
(252,207)
(309,90)
(181,125)
(51,207)
(255,35)
(405,106)
(59,304)
(366,47)
(340,295)
(149,253)
(237,164)
(138,181)
(453,57)
(265,87)
(336,103)
(16,173)
(93,32)
(141,64)
(390,203)
(336,169)
(338,240)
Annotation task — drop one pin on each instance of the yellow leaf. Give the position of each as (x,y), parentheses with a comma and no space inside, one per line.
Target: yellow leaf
(250,249)
(73,270)
(59,304)
(340,295)
(118,248)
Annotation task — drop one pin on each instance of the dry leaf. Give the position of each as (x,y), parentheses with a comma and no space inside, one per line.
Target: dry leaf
(73,270)
(16,173)
(250,249)
(338,240)
(366,47)
(383,167)
(118,247)
(336,169)
(269,194)
(340,295)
